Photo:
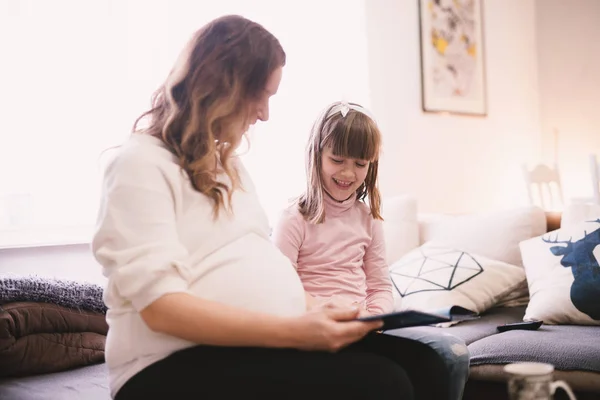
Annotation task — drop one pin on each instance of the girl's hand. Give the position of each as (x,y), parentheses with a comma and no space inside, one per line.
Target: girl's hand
(329,329)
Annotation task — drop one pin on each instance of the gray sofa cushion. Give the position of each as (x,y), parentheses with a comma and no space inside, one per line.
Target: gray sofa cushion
(471,331)
(89,383)
(567,347)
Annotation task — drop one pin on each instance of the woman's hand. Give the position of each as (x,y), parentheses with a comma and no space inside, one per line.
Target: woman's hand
(363,312)
(329,329)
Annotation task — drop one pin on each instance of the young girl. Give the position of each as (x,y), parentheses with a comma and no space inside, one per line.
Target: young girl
(335,240)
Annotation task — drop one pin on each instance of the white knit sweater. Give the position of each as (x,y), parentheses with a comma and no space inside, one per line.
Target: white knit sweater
(157,235)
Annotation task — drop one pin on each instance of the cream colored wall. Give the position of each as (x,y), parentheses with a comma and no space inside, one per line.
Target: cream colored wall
(455,163)
(74,262)
(568,38)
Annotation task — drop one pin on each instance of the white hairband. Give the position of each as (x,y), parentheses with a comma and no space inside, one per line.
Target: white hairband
(343,108)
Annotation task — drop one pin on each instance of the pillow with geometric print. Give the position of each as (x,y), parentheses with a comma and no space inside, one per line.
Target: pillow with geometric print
(563,275)
(435,276)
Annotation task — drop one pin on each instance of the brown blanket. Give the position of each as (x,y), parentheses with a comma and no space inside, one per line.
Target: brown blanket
(39,338)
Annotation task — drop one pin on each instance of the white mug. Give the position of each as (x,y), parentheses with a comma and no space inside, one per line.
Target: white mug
(533,381)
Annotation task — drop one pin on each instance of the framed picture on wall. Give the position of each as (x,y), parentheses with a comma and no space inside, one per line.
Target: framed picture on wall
(452,56)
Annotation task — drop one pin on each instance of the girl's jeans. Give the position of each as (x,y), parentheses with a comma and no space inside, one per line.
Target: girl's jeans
(453,350)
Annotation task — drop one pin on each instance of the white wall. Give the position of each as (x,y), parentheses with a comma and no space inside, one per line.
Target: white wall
(68,262)
(568,53)
(326,61)
(455,163)
(451,163)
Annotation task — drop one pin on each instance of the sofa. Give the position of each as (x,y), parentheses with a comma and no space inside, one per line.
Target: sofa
(573,348)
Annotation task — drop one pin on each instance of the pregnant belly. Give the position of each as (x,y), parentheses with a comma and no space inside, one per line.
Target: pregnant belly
(251,273)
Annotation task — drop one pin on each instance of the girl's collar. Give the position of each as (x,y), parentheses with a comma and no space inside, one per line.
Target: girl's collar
(336,207)
(353,195)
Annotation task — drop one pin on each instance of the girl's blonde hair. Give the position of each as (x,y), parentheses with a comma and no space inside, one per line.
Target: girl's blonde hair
(354,135)
(223,69)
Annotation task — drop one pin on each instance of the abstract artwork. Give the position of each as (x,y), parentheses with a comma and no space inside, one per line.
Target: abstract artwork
(452,57)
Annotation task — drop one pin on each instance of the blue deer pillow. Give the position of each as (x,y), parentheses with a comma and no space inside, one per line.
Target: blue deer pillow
(563,275)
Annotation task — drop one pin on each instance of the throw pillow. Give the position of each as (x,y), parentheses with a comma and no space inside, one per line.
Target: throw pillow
(39,338)
(436,275)
(577,213)
(563,275)
(495,235)
(518,297)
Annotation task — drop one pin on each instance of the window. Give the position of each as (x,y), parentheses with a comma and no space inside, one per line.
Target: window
(75,75)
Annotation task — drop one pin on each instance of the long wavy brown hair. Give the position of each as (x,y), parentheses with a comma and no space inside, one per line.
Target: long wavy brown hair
(355,136)
(220,73)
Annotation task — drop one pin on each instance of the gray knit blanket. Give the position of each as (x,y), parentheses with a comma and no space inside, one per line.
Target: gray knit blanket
(76,295)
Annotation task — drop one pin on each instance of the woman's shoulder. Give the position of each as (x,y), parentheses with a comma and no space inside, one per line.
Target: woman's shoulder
(144,148)
(141,156)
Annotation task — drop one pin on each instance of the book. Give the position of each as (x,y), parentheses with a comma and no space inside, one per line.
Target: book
(408,318)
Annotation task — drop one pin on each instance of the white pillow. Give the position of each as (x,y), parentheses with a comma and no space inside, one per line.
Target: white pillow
(517,298)
(577,213)
(435,276)
(551,261)
(494,235)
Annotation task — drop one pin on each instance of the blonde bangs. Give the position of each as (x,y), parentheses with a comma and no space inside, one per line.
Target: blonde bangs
(354,136)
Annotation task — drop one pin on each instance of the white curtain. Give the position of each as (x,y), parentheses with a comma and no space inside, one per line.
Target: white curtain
(76,73)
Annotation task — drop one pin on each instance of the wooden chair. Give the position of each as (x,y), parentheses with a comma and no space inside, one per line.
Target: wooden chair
(595,173)
(544,187)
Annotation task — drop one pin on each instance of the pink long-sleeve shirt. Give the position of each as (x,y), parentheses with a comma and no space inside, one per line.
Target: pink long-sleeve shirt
(343,257)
